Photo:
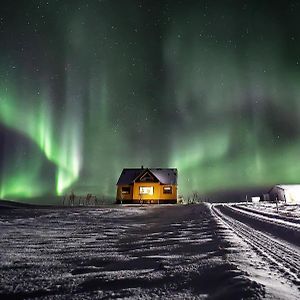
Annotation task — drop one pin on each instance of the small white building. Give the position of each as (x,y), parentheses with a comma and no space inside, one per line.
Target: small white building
(255,199)
(289,193)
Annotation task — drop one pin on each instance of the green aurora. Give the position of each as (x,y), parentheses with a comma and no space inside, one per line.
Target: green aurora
(88,88)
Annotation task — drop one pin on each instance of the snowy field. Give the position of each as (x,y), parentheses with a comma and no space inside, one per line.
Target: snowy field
(148,252)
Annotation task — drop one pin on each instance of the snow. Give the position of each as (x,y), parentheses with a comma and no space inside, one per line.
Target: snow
(268,217)
(285,211)
(274,262)
(148,252)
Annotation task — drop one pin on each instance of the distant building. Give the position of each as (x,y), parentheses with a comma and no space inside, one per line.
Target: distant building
(289,193)
(145,185)
(255,199)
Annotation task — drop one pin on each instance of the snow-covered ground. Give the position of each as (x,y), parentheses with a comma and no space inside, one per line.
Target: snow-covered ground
(148,252)
(284,210)
(275,244)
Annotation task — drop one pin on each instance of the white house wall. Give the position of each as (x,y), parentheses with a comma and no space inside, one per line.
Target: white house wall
(292,196)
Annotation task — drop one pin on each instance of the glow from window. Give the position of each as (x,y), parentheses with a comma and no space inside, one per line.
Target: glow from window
(146,190)
(167,190)
(125,190)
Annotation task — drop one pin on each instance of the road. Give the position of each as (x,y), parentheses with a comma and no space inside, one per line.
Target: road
(276,241)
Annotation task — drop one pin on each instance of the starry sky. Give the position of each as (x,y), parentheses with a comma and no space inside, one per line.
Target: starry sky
(88,88)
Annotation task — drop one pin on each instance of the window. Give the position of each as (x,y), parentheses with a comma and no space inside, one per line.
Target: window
(146,190)
(126,190)
(167,190)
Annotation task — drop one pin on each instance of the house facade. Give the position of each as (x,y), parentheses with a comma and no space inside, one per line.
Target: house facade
(147,185)
(289,193)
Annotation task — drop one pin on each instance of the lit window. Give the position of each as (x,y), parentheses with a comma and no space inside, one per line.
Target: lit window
(146,190)
(167,190)
(126,190)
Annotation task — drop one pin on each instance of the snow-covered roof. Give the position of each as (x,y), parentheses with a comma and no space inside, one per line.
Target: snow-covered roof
(288,186)
(165,176)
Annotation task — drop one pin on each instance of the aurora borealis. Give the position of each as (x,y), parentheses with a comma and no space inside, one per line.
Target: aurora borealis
(88,88)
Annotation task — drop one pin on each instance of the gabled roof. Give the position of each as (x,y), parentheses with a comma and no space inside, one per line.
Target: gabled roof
(165,176)
(128,175)
(287,186)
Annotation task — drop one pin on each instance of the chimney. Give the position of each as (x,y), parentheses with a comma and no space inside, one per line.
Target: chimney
(142,167)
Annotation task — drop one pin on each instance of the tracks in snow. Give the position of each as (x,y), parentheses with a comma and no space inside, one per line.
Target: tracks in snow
(281,255)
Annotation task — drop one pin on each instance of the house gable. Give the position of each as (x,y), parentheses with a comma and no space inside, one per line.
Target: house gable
(146,176)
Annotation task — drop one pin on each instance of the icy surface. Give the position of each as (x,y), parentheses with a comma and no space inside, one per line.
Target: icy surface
(147,252)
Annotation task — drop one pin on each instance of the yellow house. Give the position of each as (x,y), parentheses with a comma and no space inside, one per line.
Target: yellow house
(145,185)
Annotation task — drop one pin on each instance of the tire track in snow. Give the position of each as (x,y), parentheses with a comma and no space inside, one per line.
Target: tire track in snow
(279,217)
(290,227)
(282,256)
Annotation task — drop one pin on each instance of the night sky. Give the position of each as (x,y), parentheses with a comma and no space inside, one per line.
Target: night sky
(88,88)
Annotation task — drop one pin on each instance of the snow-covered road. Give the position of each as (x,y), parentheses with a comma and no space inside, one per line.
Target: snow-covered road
(273,239)
(274,225)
